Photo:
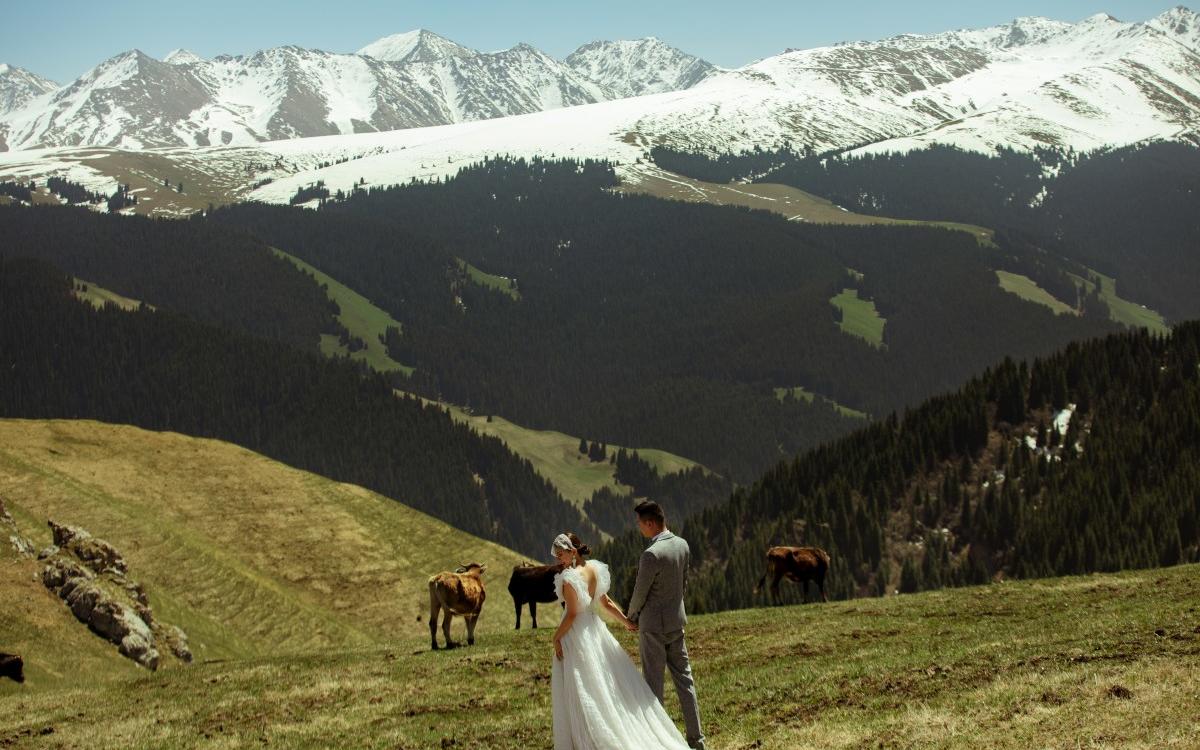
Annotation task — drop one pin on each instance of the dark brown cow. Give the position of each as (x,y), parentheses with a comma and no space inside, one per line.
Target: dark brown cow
(532,584)
(800,564)
(458,593)
(12,667)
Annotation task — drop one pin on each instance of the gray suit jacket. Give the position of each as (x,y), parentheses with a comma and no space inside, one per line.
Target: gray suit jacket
(657,603)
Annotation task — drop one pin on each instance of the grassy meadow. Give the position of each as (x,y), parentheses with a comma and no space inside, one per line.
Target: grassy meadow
(361,318)
(790,202)
(556,456)
(98,296)
(859,317)
(1028,289)
(800,392)
(250,557)
(1106,661)
(500,283)
(1122,310)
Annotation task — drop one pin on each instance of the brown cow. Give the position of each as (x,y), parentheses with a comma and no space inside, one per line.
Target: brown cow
(458,593)
(532,583)
(800,564)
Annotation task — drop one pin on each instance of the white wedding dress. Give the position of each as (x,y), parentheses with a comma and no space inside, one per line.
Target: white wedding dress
(601,701)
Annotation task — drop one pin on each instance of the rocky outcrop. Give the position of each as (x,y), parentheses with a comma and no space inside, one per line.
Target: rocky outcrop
(99,555)
(8,526)
(91,577)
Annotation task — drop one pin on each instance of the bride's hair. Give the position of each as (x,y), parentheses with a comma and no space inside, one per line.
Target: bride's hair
(580,547)
(568,541)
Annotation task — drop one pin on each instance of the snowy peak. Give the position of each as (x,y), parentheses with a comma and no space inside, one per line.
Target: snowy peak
(1181,24)
(18,87)
(415,46)
(182,57)
(639,66)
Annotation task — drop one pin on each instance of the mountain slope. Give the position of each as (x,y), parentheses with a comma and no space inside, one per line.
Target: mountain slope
(249,556)
(1013,666)
(1026,84)
(1079,462)
(415,46)
(402,81)
(637,67)
(18,87)
(161,371)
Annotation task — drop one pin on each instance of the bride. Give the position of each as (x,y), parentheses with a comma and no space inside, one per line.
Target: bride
(601,701)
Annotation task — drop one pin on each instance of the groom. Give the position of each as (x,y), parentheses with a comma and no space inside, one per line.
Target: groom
(657,611)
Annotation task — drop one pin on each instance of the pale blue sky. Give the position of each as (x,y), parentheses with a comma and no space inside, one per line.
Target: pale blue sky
(62,39)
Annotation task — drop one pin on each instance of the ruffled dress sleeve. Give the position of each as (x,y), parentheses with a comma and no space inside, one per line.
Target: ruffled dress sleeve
(558,583)
(603,578)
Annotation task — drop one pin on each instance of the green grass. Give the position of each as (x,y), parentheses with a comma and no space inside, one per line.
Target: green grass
(99,297)
(501,283)
(248,556)
(361,318)
(859,317)
(1122,310)
(1108,661)
(800,392)
(1027,289)
(556,456)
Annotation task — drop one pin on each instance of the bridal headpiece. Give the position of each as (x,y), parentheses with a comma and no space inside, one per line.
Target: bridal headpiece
(562,541)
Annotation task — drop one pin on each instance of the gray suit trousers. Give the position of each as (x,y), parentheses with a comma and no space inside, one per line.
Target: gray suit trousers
(668,650)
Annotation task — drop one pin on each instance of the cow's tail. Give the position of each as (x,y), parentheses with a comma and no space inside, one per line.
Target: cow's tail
(759,585)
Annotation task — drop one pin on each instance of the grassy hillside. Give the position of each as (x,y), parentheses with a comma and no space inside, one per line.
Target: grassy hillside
(1098,661)
(250,557)
(859,317)
(556,456)
(359,316)
(795,204)
(99,296)
(1026,288)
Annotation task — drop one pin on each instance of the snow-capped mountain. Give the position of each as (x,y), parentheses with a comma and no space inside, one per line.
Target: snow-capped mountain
(1180,24)
(19,86)
(1029,83)
(640,66)
(401,81)
(1033,82)
(415,46)
(182,57)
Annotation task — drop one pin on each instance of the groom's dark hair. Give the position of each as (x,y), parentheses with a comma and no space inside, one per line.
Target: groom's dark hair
(648,509)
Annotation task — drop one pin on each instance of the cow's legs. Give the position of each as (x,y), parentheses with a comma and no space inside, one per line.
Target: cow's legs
(446,628)
(821,588)
(434,608)
(517,604)
(804,591)
(533,612)
(471,628)
(775,587)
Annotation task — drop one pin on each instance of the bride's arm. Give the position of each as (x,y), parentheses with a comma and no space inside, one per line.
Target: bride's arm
(616,612)
(568,619)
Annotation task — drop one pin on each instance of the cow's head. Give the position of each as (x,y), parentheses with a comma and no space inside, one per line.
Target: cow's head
(471,569)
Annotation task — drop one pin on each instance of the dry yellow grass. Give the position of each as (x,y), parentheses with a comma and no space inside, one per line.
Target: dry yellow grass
(790,202)
(249,556)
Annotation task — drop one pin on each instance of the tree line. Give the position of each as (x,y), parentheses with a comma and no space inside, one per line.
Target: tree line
(650,322)
(62,359)
(1129,212)
(199,268)
(1085,460)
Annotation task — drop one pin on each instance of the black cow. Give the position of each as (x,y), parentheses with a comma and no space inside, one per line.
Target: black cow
(532,584)
(12,667)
